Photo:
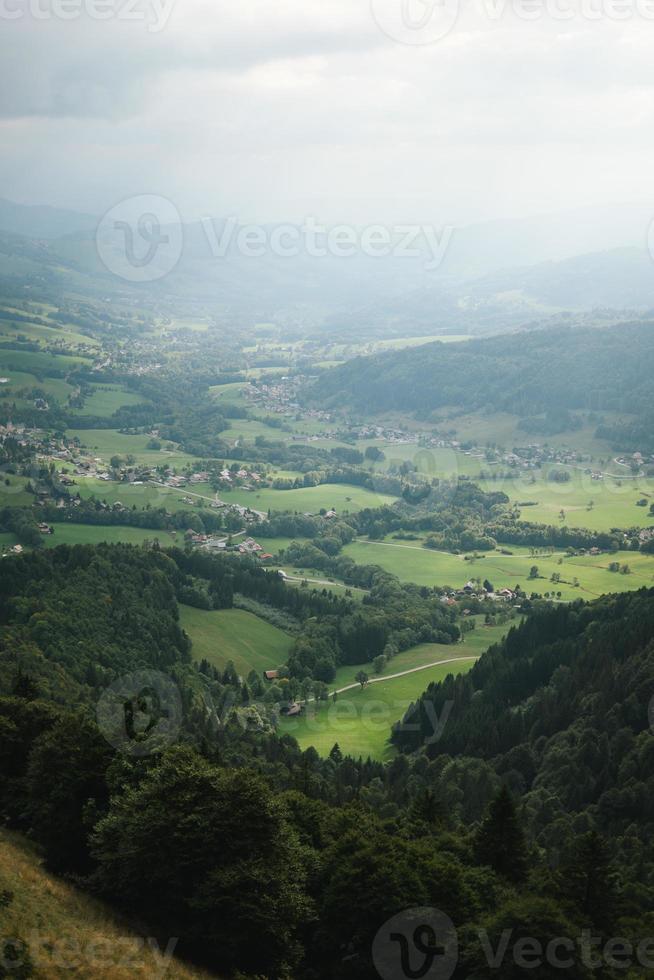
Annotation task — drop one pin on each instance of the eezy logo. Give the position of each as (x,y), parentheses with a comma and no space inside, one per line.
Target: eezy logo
(141,238)
(416,21)
(417,944)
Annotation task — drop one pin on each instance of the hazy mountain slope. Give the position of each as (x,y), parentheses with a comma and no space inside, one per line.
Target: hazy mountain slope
(522,373)
(42,221)
(493,277)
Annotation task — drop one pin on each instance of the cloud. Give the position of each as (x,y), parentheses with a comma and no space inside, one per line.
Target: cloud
(275,111)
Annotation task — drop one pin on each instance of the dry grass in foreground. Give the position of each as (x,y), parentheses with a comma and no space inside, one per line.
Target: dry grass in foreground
(71,934)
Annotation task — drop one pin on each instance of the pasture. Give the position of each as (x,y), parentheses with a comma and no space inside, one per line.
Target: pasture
(106,443)
(360,720)
(38,362)
(340,497)
(413,563)
(222,635)
(598,505)
(107,399)
(65,533)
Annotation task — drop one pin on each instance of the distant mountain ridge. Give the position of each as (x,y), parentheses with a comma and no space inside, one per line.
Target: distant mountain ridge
(495,277)
(42,221)
(609,369)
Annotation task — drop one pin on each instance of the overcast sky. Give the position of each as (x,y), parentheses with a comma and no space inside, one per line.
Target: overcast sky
(277,109)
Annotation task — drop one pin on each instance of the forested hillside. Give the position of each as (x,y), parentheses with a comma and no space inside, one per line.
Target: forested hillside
(544,371)
(529,808)
(561,712)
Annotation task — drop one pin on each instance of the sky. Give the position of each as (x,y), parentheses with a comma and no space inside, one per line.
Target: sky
(347,110)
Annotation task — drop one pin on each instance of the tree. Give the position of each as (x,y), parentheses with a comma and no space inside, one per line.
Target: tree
(213,858)
(362,678)
(589,881)
(24,686)
(500,840)
(533,572)
(67,789)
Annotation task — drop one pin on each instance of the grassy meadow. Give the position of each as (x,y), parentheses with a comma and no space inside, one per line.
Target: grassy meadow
(413,563)
(233,634)
(107,399)
(339,496)
(360,720)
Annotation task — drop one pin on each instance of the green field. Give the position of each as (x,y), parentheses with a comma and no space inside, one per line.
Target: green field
(248,430)
(413,563)
(361,720)
(106,443)
(38,361)
(613,500)
(475,644)
(47,336)
(65,533)
(234,634)
(17,380)
(107,399)
(309,499)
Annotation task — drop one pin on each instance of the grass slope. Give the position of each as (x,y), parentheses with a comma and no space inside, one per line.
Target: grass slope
(69,932)
(234,634)
(361,720)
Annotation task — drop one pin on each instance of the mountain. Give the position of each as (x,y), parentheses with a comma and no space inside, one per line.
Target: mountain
(526,373)
(42,221)
(494,277)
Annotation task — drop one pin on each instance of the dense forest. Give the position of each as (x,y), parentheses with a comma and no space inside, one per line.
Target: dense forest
(531,811)
(529,374)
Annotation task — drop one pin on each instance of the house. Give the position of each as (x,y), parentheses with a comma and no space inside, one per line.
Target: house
(270,675)
(250,547)
(44,528)
(292,710)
